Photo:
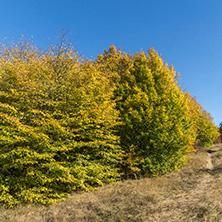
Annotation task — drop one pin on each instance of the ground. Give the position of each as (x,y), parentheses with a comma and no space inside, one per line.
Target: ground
(193,194)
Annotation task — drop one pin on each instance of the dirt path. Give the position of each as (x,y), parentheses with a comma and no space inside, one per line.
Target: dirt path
(202,201)
(209,165)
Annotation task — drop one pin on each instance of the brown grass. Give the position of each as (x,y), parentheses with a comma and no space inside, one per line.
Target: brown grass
(193,194)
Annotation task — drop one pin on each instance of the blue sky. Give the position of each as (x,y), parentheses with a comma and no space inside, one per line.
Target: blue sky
(187,33)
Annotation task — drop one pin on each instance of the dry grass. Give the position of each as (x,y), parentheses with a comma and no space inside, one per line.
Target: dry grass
(193,194)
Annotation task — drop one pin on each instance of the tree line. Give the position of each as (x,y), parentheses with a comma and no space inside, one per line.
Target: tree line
(69,123)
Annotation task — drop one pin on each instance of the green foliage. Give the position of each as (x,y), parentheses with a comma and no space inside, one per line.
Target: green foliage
(158,130)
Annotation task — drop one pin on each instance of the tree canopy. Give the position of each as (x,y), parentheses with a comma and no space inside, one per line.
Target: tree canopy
(68,123)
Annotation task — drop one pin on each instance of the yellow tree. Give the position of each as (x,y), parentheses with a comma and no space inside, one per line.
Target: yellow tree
(207,130)
(57,120)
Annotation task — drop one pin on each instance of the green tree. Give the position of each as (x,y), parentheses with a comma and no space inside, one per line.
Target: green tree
(158,130)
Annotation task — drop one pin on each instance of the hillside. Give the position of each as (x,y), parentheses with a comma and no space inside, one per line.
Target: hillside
(193,194)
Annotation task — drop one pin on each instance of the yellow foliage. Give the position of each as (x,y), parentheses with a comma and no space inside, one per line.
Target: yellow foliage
(72,124)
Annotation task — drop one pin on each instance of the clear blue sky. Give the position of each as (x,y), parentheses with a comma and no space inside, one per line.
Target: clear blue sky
(187,33)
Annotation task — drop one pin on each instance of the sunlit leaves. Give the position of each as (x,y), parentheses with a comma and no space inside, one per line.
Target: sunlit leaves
(56,125)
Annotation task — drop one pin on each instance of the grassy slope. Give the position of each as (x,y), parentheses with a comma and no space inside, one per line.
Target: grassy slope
(193,194)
